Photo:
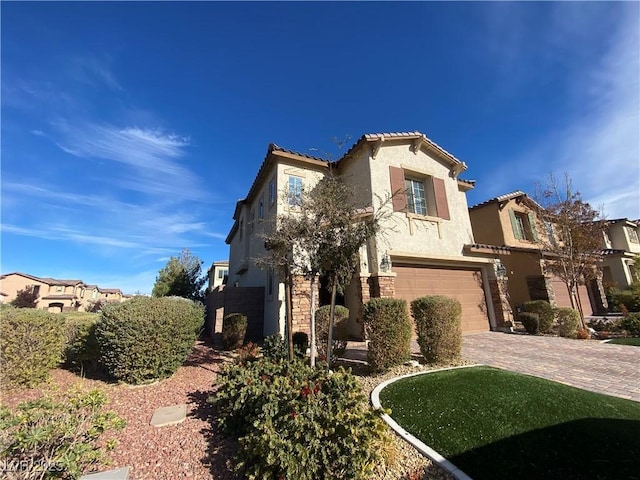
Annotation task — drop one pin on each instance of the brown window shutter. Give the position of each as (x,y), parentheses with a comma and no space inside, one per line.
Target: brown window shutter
(397,189)
(441,198)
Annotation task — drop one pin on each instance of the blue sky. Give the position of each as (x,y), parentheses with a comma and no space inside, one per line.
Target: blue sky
(129,130)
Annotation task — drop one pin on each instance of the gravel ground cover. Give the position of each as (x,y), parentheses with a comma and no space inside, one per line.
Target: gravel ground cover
(192,449)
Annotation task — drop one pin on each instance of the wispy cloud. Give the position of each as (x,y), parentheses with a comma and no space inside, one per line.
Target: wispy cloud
(93,71)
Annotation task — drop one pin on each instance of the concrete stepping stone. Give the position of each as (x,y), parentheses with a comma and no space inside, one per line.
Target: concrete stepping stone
(116,474)
(169,415)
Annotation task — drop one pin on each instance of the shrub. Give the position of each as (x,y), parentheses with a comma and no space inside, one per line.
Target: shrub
(82,350)
(60,434)
(248,352)
(31,344)
(583,334)
(530,321)
(388,329)
(605,324)
(628,298)
(544,311)
(274,347)
(437,320)
(568,321)
(25,298)
(234,329)
(631,324)
(298,422)
(340,330)
(145,338)
(300,344)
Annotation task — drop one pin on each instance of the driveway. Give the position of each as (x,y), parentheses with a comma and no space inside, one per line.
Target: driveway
(590,365)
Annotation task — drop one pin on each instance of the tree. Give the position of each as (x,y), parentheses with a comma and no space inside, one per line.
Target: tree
(322,237)
(182,277)
(26,298)
(574,237)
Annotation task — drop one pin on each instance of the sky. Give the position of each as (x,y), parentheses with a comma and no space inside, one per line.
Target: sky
(129,130)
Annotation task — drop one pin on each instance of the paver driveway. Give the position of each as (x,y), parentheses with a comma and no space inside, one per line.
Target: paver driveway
(590,365)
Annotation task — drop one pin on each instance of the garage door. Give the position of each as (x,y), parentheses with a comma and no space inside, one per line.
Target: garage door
(463,284)
(564,300)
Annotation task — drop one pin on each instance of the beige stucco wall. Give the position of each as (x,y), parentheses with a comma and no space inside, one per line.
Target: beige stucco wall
(486,225)
(520,265)
(620,238)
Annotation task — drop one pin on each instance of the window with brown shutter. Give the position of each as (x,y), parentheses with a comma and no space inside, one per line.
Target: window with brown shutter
(440,193)
(418,194)
(399,199)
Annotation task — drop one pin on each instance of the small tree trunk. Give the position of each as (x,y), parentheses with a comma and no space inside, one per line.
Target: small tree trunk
(332,314)
(312,321)
(289,311)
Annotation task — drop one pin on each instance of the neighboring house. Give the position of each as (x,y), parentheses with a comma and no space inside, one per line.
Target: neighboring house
(510,222)
(217,274)
(426,246)
(621,247)
(56,295)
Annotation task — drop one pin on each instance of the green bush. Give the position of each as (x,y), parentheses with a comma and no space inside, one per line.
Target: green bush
(234,329)
(274,347)
(57,437)
(437,320)
(81,349)
(530,321)
(300,344)
(568,322)
(628,298)
(388,328)
(631,324)
(544,311)
(340,330)
(298,422)
(31,344)
(605,324)
(145,338)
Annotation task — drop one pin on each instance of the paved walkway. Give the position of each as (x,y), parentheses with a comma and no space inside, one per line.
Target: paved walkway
(590,365)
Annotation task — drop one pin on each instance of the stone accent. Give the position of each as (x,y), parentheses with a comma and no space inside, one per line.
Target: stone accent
(169,415)
(382,285)
(501,307)
(301,303)
(116,474)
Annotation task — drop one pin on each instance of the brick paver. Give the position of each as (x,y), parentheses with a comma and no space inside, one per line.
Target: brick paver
(590,365)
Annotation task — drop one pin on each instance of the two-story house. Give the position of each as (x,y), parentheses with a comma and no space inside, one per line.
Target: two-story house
(621,247)
(425,247)
(511,222)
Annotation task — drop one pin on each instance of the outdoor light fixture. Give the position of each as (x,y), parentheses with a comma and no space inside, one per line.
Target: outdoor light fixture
(385,263)
(501,270)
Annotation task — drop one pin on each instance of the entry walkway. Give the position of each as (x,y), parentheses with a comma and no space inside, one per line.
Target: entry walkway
(587,364)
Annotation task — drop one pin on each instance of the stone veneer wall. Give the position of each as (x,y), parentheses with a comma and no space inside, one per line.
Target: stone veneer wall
(500,300)
(301,303)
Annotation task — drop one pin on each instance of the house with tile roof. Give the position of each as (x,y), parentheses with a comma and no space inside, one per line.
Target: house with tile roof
(56,295)
(426,246)
(621,248)
(511,222)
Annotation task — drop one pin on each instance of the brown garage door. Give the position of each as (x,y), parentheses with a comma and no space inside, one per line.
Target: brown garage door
(564,300)
(465,285)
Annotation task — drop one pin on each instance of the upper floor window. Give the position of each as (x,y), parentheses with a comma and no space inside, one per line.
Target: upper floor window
(633,235)
(416,198)
(222,272)
(272,191)
(58,288)
(523,225)
(261,208)
(295,191)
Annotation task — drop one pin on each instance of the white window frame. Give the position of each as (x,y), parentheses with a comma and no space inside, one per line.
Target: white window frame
(294,199)
(412,186)
(272,191)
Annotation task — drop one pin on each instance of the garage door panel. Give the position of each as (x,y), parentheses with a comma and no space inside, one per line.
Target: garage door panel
(563,298)
(464,285)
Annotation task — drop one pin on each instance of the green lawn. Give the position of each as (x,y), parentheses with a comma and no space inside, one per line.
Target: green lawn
(635,341)
(495,425)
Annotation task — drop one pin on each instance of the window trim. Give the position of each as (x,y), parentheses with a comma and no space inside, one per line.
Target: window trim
(294,200)
(272,191)
(410,183)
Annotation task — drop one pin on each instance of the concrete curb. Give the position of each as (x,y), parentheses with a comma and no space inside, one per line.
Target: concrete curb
(427,451)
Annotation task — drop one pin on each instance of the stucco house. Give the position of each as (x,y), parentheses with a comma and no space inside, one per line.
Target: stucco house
(217,274)
(56,295)
(511,222)
(426,245)
(621,244)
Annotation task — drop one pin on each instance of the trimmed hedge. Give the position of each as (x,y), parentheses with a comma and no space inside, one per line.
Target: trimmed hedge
(388,328)
(340,330)
(631,324)
(234,329)
(82,350)
(544,311)
(31,344)
(438,327)
(146,339)
(530,321)
(299,422)
(628,299)
(568,322)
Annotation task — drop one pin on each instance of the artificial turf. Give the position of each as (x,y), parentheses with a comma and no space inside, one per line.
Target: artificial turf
(635,341)
(494,424)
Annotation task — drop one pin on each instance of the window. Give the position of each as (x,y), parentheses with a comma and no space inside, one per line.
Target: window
(272,191)
(270,282)
(295,191)
(58,288)
(523,225)
(416,198)
(261,208)
(633,235)
(222,272)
